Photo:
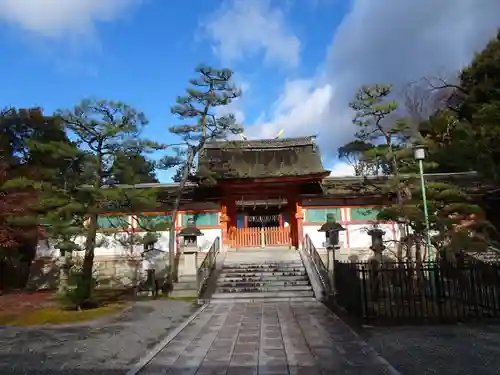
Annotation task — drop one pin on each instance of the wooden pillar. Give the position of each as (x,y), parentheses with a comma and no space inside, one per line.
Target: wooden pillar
(290,212)
(299,216)
(231,213)
(224,223)
(228,219)
(295,220)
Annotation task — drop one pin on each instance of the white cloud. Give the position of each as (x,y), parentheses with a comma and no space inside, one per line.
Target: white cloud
(341,169)
(302,109)
(379,41)
(234,109)
(242,27)
(62,18)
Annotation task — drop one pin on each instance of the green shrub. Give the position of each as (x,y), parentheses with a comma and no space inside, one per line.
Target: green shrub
(78,295)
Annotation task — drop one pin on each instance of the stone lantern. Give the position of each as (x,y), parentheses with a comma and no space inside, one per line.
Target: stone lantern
(332,243)
(189,237)
(331,229)
(377,247)
(149,240)
(148,264)
(377,236)
(65,262)
(188,268)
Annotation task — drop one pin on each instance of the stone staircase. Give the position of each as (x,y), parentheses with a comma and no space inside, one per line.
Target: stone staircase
(271,274)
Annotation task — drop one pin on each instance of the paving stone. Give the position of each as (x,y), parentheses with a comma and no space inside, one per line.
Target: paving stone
(304,370)
(246,348)
(273,343)
(248,338)
(267,338)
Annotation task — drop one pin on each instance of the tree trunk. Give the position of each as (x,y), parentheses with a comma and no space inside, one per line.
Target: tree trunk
(88,260)
(399,196)
(175,209)
(193,150)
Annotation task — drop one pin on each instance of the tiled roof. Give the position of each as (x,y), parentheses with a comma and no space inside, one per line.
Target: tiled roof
(289,157)
(262,143)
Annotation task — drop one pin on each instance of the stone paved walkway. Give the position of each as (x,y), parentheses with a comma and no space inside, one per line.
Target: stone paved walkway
(267,338)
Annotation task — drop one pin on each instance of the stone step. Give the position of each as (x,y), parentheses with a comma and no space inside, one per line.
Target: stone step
(261,274)
(263,279)
(262,261)
(225,273)
(261,283)
(263,264)
(265,300)
(266,295)
(284,268)
(265,258)
(252,289)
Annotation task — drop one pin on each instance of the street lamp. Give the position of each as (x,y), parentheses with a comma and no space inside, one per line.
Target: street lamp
(419,154)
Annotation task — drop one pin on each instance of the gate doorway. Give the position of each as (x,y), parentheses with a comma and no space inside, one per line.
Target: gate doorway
(260,237)
(261,225)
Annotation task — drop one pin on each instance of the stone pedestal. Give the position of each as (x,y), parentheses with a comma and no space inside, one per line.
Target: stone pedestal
(331,267)
(187,285)
(188,266)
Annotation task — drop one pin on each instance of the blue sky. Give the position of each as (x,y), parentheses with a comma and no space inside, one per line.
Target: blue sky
(299,62)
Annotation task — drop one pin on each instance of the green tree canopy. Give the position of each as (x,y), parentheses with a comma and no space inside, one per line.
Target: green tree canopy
(131,167)
(480,87)
(201,121)
(105,131)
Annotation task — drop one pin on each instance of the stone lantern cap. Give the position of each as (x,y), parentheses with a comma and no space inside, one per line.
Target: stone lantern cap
(190,229)
(376,232)
(331,225)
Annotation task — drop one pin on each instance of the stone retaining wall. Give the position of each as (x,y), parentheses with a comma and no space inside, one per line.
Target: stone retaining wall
(109,272)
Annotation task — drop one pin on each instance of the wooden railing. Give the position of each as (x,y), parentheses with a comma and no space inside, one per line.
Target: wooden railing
(260,237)
(319,265)
(246,237)
(277,236)
(207,265)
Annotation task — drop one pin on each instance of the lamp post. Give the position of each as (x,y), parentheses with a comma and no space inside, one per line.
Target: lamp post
(419,154)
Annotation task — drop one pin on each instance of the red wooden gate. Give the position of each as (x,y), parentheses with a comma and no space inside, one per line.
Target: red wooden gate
(253,237)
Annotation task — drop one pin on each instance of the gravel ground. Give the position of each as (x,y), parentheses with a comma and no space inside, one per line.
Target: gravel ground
(443,350)
(107,347)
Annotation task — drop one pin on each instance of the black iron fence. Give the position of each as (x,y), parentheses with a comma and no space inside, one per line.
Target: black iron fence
(402,293)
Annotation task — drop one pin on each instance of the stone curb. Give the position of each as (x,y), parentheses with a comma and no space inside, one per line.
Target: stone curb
(138,366)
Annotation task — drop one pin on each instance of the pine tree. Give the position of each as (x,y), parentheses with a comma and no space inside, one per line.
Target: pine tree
(211,90)
(103,129)
(131,167)
(391,150)
(378,126)
(354,154)
(480,107)
(31,144)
